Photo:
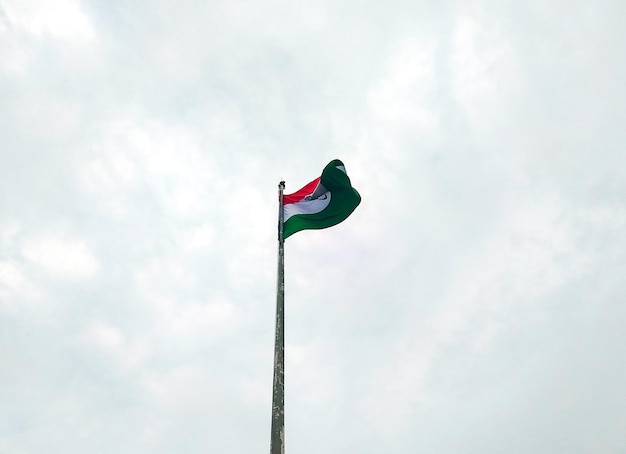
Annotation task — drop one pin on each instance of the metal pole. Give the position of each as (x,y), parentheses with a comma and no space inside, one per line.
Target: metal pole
(277,442)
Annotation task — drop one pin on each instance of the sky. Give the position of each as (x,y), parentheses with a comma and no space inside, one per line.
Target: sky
(474,302)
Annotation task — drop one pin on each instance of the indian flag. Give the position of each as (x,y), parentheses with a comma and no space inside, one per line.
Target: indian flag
(324,202)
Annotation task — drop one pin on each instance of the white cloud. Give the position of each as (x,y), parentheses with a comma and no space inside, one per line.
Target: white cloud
(401,101)
(8,232)
(472,300)
(530,253)
(138,161)
(485,73)
(62,19)
(15,287)
(208,320)
(171,292)
(61,256)
(126,352)
(198,239)
(107,338)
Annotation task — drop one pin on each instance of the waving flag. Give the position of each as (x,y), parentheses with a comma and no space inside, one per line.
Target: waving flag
(324,202)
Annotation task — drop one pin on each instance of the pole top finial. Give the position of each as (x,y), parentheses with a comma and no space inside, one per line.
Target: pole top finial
(281,185)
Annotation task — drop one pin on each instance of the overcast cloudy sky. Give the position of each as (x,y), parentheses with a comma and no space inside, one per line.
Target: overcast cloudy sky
(474,303)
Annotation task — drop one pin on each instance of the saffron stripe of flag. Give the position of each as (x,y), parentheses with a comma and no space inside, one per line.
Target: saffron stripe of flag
(324,202)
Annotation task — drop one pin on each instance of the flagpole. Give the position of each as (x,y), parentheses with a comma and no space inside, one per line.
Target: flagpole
(277,441)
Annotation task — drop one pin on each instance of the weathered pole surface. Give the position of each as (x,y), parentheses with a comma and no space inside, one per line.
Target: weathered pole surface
(277,442)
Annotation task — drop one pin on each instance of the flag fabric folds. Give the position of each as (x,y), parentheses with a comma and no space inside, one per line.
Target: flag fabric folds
(324,202)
